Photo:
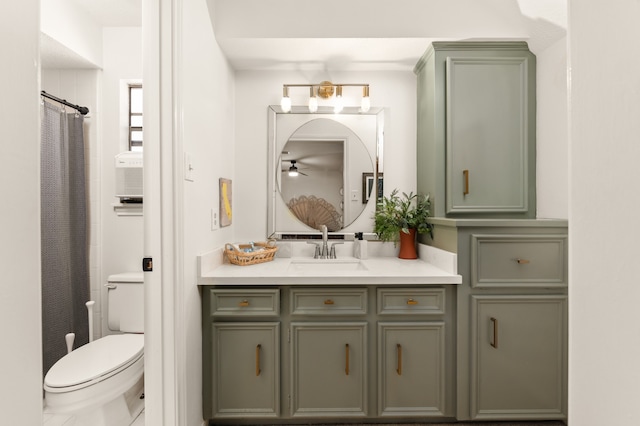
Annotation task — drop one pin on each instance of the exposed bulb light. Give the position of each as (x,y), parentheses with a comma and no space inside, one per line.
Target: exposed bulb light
(365,103)
(339,105)
(285,103)
(293,170)
(313,99)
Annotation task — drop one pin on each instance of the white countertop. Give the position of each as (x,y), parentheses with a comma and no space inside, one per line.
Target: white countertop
(387,270)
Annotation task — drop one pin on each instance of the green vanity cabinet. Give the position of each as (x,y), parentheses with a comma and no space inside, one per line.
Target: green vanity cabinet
(511,320)
(318,354)
(476,129)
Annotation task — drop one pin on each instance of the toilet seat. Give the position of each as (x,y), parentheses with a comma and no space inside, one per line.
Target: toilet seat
(94,362)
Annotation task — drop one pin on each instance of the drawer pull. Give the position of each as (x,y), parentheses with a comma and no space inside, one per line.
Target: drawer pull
(346,365)
(244,303)
(494,341)
(328,302)
(522,261)
(258,348)
(399,356)
(465,173)
(412,301)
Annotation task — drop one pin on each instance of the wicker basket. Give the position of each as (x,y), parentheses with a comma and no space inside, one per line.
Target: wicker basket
(238,257)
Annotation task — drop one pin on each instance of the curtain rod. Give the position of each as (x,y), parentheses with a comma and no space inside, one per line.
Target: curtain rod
(82,110)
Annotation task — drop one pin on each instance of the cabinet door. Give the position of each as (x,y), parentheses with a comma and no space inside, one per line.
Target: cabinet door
(518,357)
(487,135)
(411,369)
(245,373)
(328,369)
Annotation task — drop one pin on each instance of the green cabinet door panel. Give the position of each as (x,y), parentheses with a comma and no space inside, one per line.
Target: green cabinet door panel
(487,155)
(518,356)
(245,373)
(411,368)
(328,369)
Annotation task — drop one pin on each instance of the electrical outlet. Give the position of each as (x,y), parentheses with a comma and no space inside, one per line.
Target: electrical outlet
(355,195)
(215,225)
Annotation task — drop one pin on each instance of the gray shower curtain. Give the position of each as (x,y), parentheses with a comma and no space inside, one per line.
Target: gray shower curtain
(65,278)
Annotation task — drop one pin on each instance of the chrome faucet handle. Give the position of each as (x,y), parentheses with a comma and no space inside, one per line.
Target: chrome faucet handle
(316,254)
(332,252)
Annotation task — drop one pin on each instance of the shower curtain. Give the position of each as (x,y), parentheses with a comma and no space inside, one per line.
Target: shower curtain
(65,278)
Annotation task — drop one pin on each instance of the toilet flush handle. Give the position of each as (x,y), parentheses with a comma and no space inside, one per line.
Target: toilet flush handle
(111,286)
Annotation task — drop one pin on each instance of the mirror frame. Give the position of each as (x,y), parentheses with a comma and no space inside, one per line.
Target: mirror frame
(273,168)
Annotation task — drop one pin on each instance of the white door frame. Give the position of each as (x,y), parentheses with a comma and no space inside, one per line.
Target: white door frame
(165,378)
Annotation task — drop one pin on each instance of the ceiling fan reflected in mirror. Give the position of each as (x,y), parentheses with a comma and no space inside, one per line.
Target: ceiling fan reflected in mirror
(293,170)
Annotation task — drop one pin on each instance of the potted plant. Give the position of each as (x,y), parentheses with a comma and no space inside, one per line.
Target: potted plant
(399,218)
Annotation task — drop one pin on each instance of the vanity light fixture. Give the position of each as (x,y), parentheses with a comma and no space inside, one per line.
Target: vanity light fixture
(325,90)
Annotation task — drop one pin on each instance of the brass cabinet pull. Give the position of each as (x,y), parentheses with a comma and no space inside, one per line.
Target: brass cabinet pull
(399,355)
(494,341)
(465,173)
(258,348)
(328,302)
(412,301)
(346,367)
(244,303)
(522,261)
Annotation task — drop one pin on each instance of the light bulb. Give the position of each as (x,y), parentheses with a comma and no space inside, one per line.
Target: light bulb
(293,173)
(365,104)
(285,103)
(313,100)
(337,108)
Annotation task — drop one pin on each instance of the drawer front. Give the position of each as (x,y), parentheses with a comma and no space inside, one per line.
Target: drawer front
(411,301)
(518,261)
(329,301)
(235,303)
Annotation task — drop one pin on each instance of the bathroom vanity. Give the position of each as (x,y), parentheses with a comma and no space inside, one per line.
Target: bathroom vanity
(305,339)
(475,330)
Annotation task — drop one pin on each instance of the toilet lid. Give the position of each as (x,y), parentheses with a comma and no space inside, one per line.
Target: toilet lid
(96,359)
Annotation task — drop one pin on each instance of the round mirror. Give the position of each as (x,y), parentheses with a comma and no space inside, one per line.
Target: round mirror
(323,174)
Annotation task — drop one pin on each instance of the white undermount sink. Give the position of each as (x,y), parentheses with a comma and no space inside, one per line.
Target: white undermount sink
(326,265)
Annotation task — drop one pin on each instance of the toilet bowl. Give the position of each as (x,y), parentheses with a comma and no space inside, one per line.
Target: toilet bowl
(101,383)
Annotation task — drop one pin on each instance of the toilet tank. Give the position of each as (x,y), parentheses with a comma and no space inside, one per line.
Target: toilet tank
(125,302)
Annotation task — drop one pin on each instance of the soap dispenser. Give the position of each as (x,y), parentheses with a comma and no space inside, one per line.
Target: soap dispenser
(359,246)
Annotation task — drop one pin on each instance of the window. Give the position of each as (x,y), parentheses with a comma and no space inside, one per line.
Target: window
(135,118)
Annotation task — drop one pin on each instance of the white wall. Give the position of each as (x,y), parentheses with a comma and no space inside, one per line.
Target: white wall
(552,144)
(21,357)
(122,236)
(604,321)
(255,90)
(72,27)
(82,87)
(207,96)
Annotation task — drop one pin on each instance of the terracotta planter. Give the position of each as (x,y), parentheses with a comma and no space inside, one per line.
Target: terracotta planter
(408,245)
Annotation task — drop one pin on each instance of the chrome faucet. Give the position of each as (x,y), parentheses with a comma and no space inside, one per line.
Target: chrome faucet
(325,247)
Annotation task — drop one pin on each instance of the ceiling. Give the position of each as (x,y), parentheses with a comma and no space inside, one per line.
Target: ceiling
(346,35)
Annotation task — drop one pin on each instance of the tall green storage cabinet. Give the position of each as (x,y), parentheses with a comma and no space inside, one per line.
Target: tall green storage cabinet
(476,129)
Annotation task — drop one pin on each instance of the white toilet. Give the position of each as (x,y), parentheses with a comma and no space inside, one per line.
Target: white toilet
(101,383)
